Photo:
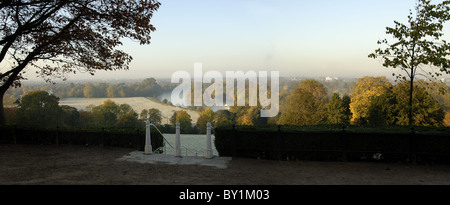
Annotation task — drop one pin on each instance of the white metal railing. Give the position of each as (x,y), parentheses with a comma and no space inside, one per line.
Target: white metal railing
(207,153)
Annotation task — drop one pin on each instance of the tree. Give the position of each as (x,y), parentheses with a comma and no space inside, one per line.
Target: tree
(383,108)
(447,119)
(173,119)
(305,105)
(40,109)
(89,90)
(417,45)
(346,100)
(72,116)
(317,89)
(336,110)
(109,113)
(185,120)
(125,109)
(66,36)
(154,115)
(144,114)
(366,89)
(127,120)
(207,115)
(224,118)
(427,111)
(106,113)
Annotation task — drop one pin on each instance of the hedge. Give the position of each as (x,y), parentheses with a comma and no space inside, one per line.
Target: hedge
(331,145)
(101,137)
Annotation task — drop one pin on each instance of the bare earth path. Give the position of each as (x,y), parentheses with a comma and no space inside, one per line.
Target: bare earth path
(68,165)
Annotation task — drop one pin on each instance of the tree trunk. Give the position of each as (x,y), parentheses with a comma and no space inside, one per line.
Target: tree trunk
(410,114)
(2,110)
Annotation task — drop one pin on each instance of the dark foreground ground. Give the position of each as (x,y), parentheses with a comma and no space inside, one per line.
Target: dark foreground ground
(73,165)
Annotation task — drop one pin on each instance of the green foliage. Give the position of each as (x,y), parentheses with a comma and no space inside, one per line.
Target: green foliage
(426,110)
(367,88)
(39,109)
(384,105)
(127,120)
(418,45)
(71,117)
(447,119)
(154,115)
(89,91)
(147,88)
(207,115)
(318,90)
(419,41)
(305,105)
(109,114)
(383,109)
(61,37)
(144,114)
(337,110)
(439,90)
(185,121)
(173,119)
(224,118)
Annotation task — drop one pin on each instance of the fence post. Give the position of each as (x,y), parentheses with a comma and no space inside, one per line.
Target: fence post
(177,141)
(148,139)
(209,153)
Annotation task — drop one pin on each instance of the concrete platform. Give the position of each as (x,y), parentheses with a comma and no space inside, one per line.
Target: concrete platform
(139,156)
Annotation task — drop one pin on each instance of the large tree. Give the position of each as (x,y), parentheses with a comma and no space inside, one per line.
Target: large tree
(305,105)
(337,110)
(66,36)
(207,115)
(40,109)
(417,47)
(366,90)
(427,111)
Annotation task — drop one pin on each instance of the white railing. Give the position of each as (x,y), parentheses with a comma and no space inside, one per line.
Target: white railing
(208,153)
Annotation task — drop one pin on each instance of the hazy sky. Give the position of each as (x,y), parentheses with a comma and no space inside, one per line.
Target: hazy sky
(295,37)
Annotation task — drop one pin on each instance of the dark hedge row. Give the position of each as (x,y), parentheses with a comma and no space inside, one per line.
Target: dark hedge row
(332,145)
(133,139)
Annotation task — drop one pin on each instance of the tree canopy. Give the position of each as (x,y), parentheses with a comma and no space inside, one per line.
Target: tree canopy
(418,45)
(69,36)
(338,110)
(305,105)
(40,109)
(366,89)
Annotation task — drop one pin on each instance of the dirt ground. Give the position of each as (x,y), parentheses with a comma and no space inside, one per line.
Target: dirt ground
(73,165)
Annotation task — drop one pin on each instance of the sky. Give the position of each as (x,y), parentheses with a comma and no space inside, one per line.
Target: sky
(295,37)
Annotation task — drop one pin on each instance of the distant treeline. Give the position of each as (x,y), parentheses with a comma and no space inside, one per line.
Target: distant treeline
(149,87)
(373,101)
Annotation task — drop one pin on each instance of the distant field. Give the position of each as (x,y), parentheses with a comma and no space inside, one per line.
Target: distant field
(138,104)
